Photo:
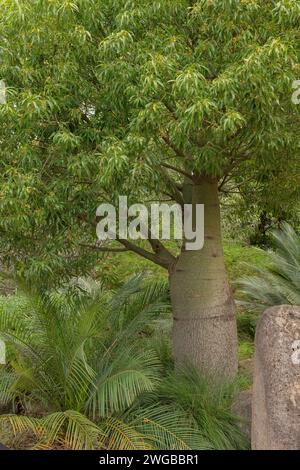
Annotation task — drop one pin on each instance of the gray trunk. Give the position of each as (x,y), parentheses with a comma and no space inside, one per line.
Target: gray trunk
(204,331)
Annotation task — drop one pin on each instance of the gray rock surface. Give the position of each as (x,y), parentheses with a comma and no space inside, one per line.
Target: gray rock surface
(276,388)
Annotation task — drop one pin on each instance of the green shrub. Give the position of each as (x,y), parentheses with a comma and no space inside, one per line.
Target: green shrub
(89,369)
(208,403)
(79,369)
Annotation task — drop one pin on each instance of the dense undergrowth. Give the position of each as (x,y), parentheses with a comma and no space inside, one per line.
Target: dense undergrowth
(90,366)
(87,369)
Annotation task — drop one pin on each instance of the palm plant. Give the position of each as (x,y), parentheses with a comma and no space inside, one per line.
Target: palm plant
(78,368)
(279,282)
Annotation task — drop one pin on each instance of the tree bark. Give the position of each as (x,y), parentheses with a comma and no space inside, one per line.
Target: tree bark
(204,331)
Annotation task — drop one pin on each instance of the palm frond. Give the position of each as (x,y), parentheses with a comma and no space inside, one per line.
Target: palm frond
(121,380)
(73,429)
(69,429)
(84,356)
(7,381)
(120,435)
(279,282)
(167,428)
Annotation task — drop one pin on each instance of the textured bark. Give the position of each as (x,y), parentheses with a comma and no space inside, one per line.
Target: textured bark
(204,331)
(276,387)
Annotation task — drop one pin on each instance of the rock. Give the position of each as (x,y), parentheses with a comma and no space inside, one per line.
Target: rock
(276,387)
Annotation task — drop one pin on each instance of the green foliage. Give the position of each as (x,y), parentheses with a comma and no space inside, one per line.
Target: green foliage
(102,98)
(80,353)
(278,282)
(77,358)
(246,322)
(134,97)
(90,374)
(239,259)
(246,350)
(209,404)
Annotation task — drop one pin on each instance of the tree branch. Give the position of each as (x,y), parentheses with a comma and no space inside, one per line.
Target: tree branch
(176,150)
(162,256)
(176,193)
(160,249)
(178,170)
(103,249)
(157,259)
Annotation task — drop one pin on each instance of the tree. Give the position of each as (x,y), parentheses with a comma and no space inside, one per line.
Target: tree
(173,98)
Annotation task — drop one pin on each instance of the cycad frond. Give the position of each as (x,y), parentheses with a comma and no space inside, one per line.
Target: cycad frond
(7,381)
(70,353)
(73,428)
(120,435)
(121,380)
(125,292)
(167,428)
(69,429)
(85,356)
(279,282)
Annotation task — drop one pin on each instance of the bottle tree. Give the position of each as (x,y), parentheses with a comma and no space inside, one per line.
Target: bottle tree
(169,98)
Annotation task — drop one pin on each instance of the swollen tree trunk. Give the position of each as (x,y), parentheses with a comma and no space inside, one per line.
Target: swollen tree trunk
(204,331)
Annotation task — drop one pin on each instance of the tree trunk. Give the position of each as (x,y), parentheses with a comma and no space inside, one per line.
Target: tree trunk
(204,331)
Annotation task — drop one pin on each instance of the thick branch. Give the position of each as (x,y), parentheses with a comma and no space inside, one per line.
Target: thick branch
(161,257)
(160,249)
(178,170)
(155,258)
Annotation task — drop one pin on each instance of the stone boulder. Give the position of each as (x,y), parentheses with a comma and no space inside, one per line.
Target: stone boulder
(276,388)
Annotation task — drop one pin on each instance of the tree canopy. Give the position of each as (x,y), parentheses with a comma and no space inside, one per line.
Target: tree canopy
(134,97)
